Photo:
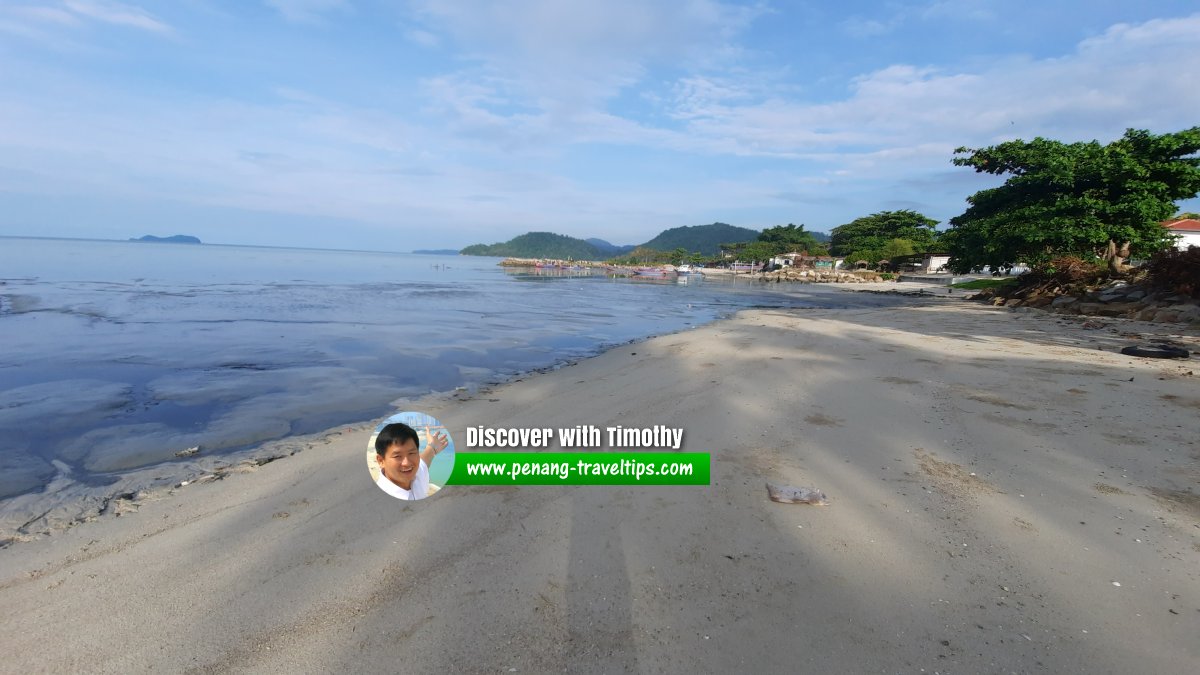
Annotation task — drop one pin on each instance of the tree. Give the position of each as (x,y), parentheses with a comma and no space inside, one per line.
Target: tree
(869,234)
(791,238)
(897,248)
(642,256)
(750,251)
(1084,199)
(679,255)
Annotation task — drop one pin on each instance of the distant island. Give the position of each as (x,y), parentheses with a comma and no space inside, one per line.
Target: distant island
(173,239)
(438,251)
(703,239)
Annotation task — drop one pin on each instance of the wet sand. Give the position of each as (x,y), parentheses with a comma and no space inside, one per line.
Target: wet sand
(1007,494)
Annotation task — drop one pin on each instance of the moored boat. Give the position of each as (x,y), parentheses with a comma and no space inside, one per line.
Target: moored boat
(665,270)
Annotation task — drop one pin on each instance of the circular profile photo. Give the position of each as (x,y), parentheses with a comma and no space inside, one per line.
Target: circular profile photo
(410,455)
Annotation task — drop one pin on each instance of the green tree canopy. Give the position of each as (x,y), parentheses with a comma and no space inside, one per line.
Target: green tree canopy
(751,251)
(538,245)
(897,248)
(870,234)
(679,256)
(1083,199)
(643,255)
(703,238)
(791,238)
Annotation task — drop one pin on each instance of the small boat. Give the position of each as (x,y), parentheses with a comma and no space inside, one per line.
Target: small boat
(655,271)
(687,269)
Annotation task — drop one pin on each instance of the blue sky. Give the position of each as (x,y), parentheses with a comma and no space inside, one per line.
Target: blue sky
(394,125)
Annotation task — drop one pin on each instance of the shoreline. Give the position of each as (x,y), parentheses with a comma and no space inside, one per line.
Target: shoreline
(989,472)
(64,502)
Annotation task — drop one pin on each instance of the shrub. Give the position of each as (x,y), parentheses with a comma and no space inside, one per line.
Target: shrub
(1176,271)
(1066,270)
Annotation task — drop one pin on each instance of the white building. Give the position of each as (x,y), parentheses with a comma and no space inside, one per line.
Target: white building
(1188,231)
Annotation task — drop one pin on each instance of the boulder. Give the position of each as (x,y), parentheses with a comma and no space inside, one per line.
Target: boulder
(1117,309)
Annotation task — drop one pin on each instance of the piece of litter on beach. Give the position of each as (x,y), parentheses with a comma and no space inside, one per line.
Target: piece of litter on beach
(1116,583)
(787,494)
(189,452)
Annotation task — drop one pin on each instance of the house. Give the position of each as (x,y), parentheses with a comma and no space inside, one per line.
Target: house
(935,262)
(922,263)
(805,261)
(1187,230)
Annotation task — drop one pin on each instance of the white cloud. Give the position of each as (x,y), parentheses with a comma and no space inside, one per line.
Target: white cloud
(1130,76)
(118,14)
(46,14)
(566,54)
(485,143)
(421,37)
(897,16)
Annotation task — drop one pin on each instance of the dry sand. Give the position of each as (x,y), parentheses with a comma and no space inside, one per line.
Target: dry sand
(994,475)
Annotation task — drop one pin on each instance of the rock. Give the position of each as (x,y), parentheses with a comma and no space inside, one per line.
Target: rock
(1188,314)
(1063,301)
(1135,295)
(1117,309)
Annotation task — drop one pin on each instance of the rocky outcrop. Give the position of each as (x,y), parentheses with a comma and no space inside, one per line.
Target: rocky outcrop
(819,277)
(1113,299)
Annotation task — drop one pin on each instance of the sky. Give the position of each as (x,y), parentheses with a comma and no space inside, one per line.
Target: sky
(408,124)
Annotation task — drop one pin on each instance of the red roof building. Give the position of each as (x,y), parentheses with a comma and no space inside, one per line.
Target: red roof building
(1188,231)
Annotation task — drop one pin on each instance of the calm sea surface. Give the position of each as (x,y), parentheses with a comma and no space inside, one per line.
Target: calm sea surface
(117,355)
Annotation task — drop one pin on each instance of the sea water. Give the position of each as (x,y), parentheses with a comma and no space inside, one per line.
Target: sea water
(120,355)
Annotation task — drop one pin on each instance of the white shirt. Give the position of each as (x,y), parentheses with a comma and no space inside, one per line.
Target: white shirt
(420,485)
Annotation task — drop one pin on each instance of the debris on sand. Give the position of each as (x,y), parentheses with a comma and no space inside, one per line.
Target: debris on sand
(787,494)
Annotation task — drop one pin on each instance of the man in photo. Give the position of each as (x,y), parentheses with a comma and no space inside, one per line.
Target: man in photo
(404,468)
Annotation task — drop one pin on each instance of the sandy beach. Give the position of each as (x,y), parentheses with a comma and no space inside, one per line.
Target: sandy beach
(1008,493)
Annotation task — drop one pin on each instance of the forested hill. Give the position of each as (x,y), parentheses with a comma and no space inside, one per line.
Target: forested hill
(610,250)
(539,245)
(706,239)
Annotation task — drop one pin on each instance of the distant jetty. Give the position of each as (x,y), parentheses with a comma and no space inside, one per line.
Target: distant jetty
(173,239)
